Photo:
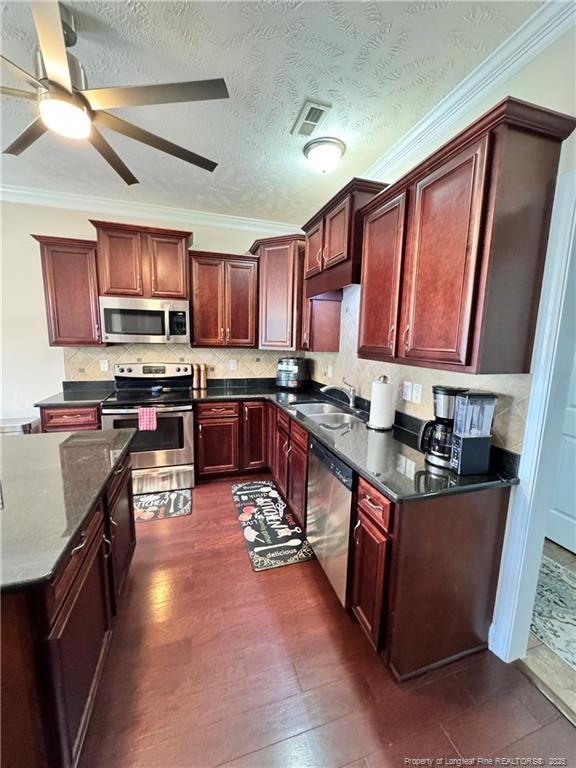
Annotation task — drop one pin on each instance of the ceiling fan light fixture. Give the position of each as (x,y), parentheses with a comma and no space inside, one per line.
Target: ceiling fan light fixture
(324,154)
(65,116)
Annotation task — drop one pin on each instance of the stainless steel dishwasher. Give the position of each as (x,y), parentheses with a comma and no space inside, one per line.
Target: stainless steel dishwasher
(328,514)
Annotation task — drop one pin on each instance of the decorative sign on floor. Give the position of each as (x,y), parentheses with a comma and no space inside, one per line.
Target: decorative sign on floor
(272,534)
(159,506)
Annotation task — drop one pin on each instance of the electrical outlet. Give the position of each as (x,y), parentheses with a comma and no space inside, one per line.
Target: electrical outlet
(416,392)
(407,390)
(329,372)
(104,365)
(233,365)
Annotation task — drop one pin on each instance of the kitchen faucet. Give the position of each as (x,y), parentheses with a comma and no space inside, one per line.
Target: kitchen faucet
(347,389)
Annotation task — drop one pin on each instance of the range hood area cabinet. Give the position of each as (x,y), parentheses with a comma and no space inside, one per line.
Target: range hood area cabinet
(453,253)
(142,261)
(225,299)
(71,291)
(281,270)
(333,243)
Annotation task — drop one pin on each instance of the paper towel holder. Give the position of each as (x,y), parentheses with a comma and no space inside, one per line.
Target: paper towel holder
(384,380)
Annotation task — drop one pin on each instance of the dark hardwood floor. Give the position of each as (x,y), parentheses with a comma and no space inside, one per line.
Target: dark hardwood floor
(212,664)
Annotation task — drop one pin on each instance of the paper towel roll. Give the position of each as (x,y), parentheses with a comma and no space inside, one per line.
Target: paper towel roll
(382,405)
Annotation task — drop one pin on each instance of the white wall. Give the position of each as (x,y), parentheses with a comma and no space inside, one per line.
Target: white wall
(32,370)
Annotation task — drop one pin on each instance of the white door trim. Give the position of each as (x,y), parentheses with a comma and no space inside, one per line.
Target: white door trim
(530,501)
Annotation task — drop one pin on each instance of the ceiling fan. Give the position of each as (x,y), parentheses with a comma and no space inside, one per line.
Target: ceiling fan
(69,108)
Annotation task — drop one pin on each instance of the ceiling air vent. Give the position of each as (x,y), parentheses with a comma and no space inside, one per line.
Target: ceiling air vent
(310,117)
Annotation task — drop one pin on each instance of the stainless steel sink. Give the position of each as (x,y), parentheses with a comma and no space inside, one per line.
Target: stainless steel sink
(311,409)
(334,420)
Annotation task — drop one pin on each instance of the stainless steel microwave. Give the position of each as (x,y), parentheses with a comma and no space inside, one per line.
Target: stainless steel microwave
(145,321)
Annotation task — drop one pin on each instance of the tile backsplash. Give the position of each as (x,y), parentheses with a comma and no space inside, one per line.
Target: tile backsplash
(512,389)
(83,363)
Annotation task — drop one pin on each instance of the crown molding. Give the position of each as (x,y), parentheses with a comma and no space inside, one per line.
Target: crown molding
(180,217)
(547,24)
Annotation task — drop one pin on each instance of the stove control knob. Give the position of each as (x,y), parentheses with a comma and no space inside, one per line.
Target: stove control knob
(185,369)
(128,370)
(177,369)
(121,370)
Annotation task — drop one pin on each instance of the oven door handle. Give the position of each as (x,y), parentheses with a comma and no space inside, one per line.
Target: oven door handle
(134,411)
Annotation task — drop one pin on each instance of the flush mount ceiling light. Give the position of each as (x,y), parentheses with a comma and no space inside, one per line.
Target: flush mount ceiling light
(324,154)
(65,114)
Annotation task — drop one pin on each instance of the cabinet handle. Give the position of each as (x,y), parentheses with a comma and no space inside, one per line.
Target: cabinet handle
(218,410)
(199,430)
(245,414)
(221,335)
(355,531)
(108,544)
(371,504)
(406,332)
(71,416)
(119,470)
(319,257)
(227,334)
(284,448)
(288,452)
(79,546)
(324,258)
(113,522)
(391,334)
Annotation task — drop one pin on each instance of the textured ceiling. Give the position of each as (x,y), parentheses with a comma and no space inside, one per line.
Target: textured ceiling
(382,65)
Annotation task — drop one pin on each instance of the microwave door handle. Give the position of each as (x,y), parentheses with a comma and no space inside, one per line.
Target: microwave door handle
(167,321)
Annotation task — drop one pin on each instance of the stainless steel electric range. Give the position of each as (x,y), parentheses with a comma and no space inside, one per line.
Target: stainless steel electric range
(163,458)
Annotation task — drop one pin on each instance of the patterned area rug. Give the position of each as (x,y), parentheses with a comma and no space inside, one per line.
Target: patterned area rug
(554,618)
(271,533)
(159,506)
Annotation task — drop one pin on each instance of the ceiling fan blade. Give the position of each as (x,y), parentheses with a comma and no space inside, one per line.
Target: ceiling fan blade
(107,120)
(48,24)
(169,93)
(17,93)
(27,137)
(99,142)
(20,73)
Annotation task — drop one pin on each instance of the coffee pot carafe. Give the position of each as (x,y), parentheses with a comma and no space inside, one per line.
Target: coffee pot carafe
(435,438)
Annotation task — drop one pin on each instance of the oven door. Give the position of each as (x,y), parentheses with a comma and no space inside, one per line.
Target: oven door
(170,444)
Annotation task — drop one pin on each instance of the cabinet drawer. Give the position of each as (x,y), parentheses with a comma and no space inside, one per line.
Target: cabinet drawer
(69,569)
(117,479)
(282,420)
(217,410)
(60,419)
(375,505)
(299,435)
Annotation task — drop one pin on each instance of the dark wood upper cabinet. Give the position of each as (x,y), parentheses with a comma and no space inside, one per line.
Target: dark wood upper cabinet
(280,291)
(381,269)
(71,291)
(225,293)
(469,239)
(334,239)
(321,322)
(254,434)
(141,261)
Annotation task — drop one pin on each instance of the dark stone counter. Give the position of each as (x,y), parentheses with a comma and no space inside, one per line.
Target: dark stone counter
(50,484)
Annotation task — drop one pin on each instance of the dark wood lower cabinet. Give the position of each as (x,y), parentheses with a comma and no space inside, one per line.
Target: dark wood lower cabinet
(121,533)
(281,461)
(217,446)
(371,552)
(298,474)
(76,647)
(271,437)
(254,435)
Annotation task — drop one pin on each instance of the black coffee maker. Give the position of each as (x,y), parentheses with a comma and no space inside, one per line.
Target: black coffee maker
(435,438)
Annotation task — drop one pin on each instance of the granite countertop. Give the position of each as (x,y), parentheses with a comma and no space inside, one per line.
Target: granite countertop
(50,483)
(88,396)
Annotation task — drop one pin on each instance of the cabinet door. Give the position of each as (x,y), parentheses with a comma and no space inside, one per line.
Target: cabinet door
(168,264)
(77,644)
(271,441)
(324,324)
(254,435)
(71,292)
(298,476)
(442,259)
(122,534)
(241,294)
(336,229)
(383,244)
(208,302)
(282,442)
(217,446)
(277,296)
(370,558)
(119,262)
(313,250)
